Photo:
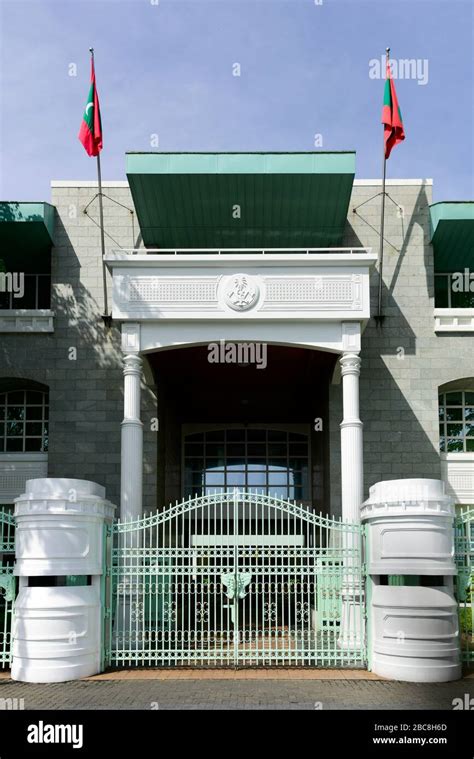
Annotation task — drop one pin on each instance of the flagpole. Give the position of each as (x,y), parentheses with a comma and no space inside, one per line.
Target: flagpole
(105,315)
(379,317)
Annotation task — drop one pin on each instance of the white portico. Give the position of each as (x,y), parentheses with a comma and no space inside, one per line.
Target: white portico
(316,299)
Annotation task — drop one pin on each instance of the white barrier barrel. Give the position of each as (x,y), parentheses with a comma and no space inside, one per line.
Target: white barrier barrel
(59,527)
(56,634)
(415,634)
(410,528)
(59,560)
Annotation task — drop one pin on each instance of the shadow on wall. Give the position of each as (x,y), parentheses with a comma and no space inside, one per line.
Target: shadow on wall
(398,401)
(81,363)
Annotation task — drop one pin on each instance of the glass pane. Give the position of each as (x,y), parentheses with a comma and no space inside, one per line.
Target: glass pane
(453,414)
(277,465)
(255,466)
(14,444)
(15,412)
(454,445)
(454,399)
(257,478)
(277,478)
(441,412)
(297,437)
(214,449)
(33,444)
(454,430)
(34,412)
(215,465)
(441,292)
(470,444)
(34,398)
(214,478)
(17,397)
(34,428)
(469,430)
(14,429)
(256,449)
(277,449)
(235,479)
(235,449)
(236,463)
(468,398)
(442,444)
(469,413)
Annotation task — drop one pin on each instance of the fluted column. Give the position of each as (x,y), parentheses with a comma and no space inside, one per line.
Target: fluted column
(352,469)
(132,440)
(352,487)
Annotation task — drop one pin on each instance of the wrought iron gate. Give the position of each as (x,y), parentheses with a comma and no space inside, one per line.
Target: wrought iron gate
(7,583)
(464,553)
(238,579)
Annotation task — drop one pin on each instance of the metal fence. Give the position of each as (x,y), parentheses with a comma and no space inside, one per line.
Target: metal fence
(7,582)
(236,579)
(464,553)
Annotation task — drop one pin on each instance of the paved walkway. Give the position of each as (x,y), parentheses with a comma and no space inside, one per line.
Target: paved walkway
(249,689)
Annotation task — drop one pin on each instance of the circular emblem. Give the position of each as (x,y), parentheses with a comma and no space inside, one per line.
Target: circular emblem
(241,292)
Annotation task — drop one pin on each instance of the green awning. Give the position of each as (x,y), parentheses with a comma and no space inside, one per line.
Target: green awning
(452,235)
(26,233)
(241,200)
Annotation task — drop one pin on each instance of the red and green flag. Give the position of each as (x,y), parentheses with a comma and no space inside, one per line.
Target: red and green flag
(391,115)
(90,133)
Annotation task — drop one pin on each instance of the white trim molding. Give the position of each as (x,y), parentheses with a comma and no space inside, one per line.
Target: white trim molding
(454,319)
(26,320)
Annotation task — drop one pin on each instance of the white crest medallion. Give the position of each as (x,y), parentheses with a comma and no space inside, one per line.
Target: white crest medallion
(241,292)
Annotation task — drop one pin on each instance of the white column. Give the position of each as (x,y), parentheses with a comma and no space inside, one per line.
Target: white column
(352,489)
(352,469)
(132,440)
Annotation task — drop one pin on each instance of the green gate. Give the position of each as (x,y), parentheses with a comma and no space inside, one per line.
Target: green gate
(464,553)
(7,583)
(235,579)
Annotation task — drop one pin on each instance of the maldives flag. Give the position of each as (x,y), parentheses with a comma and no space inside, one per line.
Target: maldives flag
(90,133)
(391,115)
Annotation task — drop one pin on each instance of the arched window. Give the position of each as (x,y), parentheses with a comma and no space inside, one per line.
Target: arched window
(456,421)
(269,460)
(24,420)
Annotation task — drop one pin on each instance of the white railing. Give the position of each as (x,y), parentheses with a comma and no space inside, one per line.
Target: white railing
(245,251)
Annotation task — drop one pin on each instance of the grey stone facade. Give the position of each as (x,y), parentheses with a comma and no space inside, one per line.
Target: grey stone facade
(403,362)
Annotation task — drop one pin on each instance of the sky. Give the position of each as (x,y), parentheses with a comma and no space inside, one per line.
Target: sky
(167,72)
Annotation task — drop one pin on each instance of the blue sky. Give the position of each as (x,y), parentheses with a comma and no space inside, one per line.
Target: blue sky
(167,69)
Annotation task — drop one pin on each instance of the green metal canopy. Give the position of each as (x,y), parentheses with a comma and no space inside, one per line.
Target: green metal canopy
(452,235)
(26,232)
(240,200)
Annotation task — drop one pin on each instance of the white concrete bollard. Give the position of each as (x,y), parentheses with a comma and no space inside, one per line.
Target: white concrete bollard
(57,627)
(413,625)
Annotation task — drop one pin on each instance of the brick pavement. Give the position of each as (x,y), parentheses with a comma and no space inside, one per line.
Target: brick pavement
(213,692)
